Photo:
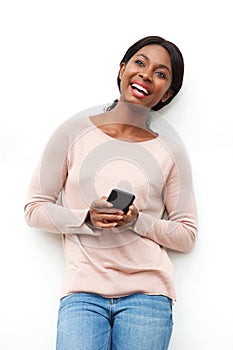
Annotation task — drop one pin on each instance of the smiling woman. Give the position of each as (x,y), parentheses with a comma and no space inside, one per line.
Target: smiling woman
(176,61)
(118,286)
(146,78)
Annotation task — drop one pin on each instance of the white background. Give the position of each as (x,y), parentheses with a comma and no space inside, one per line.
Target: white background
(60,57)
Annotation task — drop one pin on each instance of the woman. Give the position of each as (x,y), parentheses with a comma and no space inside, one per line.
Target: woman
(118,283)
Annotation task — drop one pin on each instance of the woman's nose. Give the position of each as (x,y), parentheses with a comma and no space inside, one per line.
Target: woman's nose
(145,75)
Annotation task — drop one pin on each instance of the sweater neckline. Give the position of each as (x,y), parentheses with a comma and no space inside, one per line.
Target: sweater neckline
(100,132)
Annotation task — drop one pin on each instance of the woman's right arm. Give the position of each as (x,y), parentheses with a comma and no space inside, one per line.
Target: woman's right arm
(41,208)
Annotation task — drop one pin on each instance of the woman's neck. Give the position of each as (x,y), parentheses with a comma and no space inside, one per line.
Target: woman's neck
(125,122)
(129,115)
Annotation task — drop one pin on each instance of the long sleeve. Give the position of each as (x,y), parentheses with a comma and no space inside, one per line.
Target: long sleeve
(45,206)
(179,230)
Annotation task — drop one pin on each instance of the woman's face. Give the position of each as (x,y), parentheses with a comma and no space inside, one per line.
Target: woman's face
(146,78)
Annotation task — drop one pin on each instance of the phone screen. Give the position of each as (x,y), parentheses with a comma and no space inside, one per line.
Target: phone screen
(121,199)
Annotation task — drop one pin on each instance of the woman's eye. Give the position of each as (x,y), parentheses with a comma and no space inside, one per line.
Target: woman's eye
(140,63)
(161,74)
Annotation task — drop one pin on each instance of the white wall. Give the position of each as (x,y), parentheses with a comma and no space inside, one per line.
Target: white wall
(59,57)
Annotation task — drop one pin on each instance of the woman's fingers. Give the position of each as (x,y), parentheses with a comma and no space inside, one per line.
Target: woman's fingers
(106,217)
(100,224)
(104,220)
(101,205)
(133,210)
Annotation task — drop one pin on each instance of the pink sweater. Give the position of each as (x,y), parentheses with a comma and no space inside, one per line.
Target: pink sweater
(79,165)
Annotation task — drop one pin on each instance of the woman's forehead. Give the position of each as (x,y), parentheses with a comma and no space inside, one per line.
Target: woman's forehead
(154,52)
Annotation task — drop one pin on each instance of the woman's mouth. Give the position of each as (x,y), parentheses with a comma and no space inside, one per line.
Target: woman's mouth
(139,90)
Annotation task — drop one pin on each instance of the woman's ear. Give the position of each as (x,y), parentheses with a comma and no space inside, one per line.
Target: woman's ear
(122,69)
(169,93)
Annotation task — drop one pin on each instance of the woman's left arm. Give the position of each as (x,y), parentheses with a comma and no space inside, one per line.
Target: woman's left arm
(177,232)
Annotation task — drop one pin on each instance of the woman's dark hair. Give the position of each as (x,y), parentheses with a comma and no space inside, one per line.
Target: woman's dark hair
(177,63)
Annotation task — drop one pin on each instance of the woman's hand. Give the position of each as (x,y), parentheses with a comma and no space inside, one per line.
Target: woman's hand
(103,215)
(130,217)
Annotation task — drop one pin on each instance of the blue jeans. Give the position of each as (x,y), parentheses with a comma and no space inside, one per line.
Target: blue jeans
(135,322)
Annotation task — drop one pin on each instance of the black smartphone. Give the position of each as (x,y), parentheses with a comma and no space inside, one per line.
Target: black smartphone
(121,199)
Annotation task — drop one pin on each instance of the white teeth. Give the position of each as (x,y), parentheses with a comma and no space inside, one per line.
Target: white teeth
(140,88)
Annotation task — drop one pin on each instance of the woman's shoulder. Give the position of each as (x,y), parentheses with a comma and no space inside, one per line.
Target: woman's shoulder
(78,124)
(168,135)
